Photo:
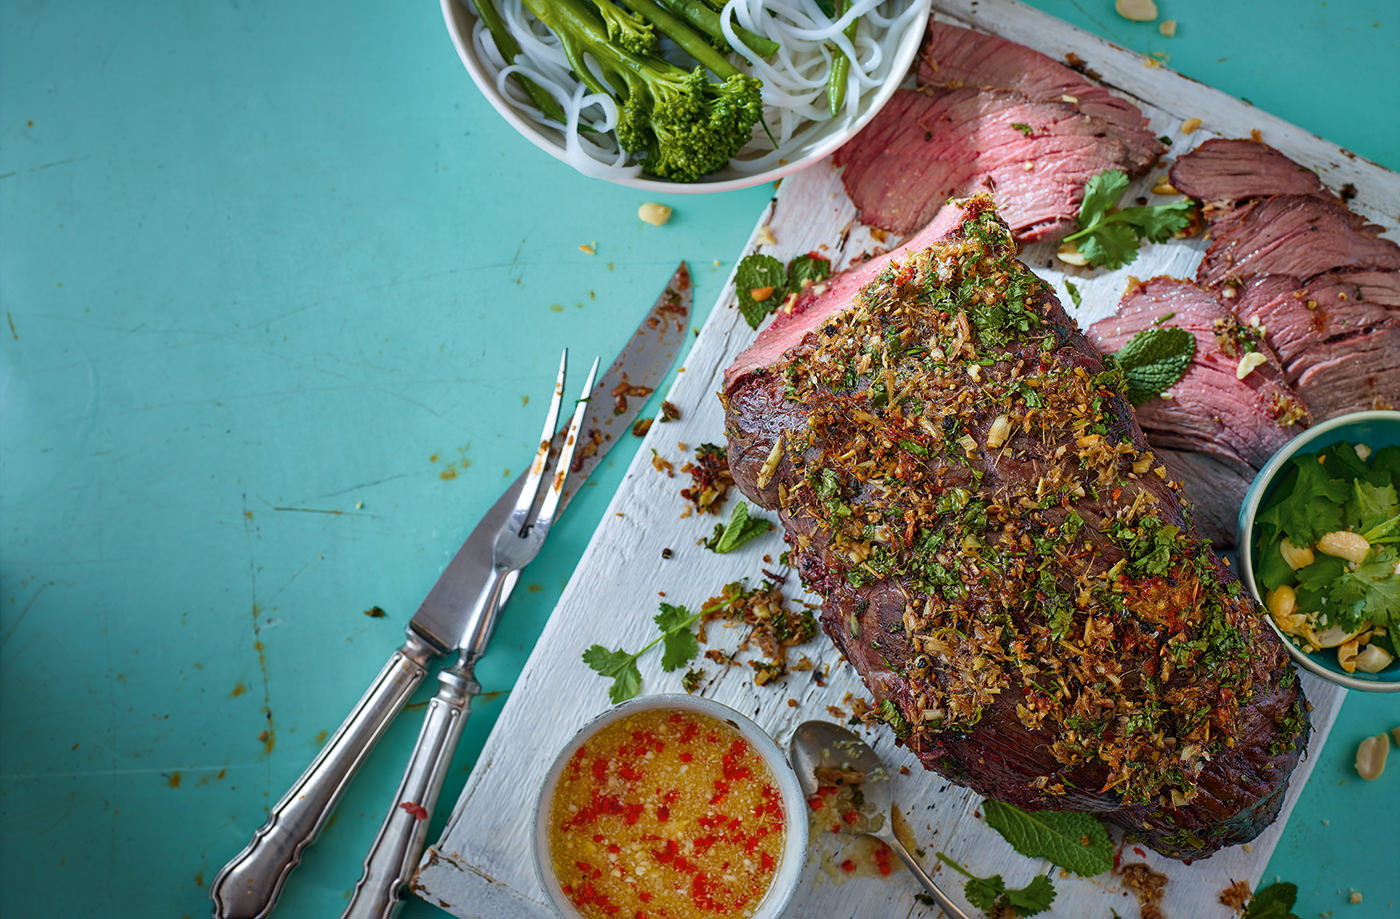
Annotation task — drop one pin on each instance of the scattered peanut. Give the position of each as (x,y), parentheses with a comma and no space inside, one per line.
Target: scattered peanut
(654,214)
(1296,557)
(1137,10)
(588,249)
(1164,186)
(1344,544)
(1248,362)
(1167,28)
(1370,757)
(1355,897)
(1363,452)
(765,236)
(1069,254)
(1191,125)
(1347,653)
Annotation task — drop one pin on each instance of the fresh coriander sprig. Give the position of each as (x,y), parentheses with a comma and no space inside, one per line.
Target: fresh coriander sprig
(1109,237)
(992,895)
(679,647)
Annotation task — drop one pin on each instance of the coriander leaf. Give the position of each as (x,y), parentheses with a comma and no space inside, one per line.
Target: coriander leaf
(810,267)
(1109,245)
(1307,501)
(1074,295)
(1100,194)
(1153,361)
(1385,465)
(1034,898)
(1269,567)
(1157,222)
(1273,902)
(678,643)
(1074,841)
(740,529)
(984,893)
(756,273)
(620,666)
(1372,506)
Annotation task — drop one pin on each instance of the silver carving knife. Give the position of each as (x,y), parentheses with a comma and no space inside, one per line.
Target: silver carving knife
(248,886)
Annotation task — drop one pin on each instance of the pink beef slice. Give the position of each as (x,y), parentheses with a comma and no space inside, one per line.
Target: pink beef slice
(1299,235)
(1222,171)
(926,147)
(1209,410)
(956,57)
(816,303)
(1337,335)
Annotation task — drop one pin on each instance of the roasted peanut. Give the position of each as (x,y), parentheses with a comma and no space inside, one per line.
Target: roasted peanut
(1282,601)
(1370,757)
(1373,659)
(1344,544)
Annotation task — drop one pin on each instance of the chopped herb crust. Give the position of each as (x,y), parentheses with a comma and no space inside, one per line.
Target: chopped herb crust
(958,448)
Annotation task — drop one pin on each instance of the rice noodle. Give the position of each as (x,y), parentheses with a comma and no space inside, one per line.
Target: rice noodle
(794,80)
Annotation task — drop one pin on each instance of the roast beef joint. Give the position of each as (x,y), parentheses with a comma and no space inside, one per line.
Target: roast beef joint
(1004,560)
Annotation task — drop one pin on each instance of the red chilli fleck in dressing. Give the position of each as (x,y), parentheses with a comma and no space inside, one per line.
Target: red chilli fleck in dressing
(666,814)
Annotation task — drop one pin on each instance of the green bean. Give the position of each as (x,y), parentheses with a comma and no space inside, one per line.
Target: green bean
(707,21)
(510,50)
(840,64)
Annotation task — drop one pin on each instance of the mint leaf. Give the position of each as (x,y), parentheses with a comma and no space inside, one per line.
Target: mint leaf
(740,529)
(1075,297)
(810,267)
(1153,361)
(678,643)
(1273,902)
(755,274)
(1074,841)
(620,666)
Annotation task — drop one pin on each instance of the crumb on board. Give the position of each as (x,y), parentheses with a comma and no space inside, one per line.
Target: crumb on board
(1235,896)
(1147,885)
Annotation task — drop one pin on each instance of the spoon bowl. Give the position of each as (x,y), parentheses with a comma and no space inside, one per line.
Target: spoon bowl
(822,748)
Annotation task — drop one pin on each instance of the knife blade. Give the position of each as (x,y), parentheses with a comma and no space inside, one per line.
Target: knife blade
(249,885)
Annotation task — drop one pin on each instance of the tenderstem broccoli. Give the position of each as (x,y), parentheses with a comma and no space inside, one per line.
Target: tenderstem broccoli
(682,125)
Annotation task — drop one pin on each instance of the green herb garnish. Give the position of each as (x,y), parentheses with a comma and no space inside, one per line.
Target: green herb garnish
(1023,128)
(1074,841)
(1153,361)
(679,647)
(992,895)
(1273,902)
(740,529)
(1110,238)
(763,283)
(1075,296)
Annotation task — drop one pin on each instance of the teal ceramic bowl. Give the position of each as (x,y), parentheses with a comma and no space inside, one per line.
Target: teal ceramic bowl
(1375,429)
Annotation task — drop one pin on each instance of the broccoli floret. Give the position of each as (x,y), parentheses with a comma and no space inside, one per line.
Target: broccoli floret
(682,125)
(627,30)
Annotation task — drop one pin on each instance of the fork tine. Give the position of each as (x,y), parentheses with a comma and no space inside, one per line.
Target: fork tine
(530,488)
(541,523)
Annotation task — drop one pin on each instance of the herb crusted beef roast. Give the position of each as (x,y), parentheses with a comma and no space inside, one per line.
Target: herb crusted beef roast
(1006,563)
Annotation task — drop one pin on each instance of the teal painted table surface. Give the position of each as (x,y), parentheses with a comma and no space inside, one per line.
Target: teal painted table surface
(278,284)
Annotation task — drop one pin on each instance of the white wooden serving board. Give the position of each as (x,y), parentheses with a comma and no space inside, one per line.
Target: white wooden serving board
(482,866)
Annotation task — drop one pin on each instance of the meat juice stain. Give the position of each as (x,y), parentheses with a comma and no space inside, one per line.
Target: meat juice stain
(239,689)
(173,779)
(268,736)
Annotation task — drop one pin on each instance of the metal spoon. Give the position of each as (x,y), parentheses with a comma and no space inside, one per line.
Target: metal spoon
(822,744)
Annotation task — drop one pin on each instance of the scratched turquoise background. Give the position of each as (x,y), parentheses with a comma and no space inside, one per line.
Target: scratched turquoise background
(276,282)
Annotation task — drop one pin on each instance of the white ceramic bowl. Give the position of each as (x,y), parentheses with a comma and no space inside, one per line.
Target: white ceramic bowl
(1376,429)
(816,144)
(789,872)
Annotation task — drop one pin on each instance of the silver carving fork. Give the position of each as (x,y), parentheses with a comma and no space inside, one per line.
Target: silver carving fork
(396,850)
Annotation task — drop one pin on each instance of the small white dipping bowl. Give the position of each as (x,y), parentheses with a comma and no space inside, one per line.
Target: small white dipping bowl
(1375,429)
(794,856)
(815,145)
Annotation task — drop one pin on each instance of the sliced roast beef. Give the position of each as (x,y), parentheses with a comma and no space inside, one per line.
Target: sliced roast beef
(955,56)
(1003,559)
(1337,335)
(924,148)
(1210,409)
(1222,171)
(1298,235)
